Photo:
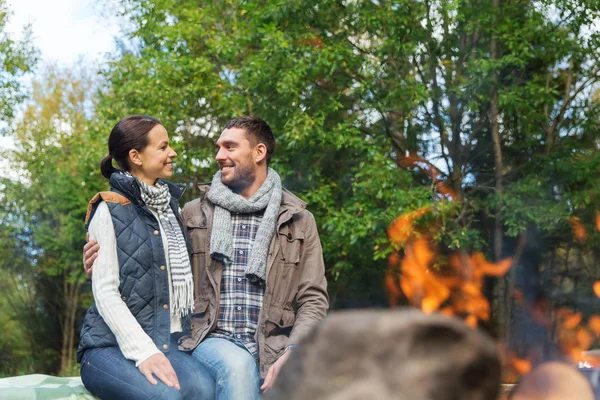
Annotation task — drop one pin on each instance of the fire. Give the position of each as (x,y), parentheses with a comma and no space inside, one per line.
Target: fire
(573,334)
(594,324)
(454,288)
(576,336)
(579,231)
(596,288)
(402,228)
(521,366)
(452,284)
(514,366)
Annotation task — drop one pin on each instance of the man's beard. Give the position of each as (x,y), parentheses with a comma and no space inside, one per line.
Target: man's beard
(243,178)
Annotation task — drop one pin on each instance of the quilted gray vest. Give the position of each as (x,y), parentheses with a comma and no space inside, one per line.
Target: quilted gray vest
(144,285)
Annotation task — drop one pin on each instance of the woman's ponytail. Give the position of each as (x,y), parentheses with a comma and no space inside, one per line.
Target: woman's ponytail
(106,166)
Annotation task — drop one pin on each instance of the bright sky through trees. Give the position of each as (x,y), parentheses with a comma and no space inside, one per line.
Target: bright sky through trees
(64,30)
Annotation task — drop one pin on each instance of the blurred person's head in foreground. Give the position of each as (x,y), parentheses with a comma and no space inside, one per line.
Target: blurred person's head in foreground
(554,381)
(394,354)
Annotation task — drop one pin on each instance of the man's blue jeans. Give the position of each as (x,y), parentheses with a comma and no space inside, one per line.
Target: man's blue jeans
(109,375)
(232,368)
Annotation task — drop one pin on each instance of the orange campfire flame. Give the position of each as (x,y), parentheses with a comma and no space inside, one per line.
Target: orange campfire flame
(402,228)
(452,284)
(579,232)
(521,366)
(456,286)
(596,288)
(514,366)
(575,336)
(594,324)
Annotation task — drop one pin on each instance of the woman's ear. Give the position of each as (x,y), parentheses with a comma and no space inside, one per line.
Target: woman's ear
(134,157)
(260,153)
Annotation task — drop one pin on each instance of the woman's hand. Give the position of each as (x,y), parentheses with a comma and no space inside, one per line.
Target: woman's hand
(160,366)
(90,253)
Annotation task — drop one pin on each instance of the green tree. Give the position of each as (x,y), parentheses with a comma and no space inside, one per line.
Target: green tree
(496,94)
(17,347)
(228,58)
(56,156)
(17,57)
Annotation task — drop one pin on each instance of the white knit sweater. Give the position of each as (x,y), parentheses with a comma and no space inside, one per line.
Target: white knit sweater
(134,343)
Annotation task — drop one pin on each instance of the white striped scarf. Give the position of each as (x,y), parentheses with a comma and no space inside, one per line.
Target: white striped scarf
(159,197)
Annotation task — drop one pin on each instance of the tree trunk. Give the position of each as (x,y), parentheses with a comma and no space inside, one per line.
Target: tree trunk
(495,128)
(70,302)
(504,289)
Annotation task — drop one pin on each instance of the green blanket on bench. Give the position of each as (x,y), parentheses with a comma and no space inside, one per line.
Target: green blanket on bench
(43,387)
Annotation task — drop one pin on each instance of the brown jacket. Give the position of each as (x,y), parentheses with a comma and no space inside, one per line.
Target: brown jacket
(296,290)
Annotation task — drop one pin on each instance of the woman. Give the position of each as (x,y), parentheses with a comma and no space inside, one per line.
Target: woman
(142,280)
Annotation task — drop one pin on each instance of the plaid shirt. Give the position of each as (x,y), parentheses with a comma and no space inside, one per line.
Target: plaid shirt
(241,300)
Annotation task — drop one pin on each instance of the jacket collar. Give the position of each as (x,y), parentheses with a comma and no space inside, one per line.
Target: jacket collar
(291,203)
(126,185)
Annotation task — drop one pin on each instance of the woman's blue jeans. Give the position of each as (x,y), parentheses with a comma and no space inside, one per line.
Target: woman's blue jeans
(109,375)
(232,368)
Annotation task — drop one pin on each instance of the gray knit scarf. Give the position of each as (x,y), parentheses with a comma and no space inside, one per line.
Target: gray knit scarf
(227,202)
(159,197)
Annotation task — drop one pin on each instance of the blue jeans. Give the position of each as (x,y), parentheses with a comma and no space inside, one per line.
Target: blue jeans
(232,368)
(109,375)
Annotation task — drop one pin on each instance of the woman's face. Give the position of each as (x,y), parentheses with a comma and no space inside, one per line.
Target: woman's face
(156,158)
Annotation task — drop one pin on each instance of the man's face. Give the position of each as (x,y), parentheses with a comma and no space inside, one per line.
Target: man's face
(235,156)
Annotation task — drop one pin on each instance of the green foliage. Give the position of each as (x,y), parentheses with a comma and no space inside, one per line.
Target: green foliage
(16,59)
(353,90)
(350,87)
(56,157)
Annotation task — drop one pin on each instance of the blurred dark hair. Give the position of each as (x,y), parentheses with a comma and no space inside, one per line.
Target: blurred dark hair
(257,131)
(400,354)
(130,133)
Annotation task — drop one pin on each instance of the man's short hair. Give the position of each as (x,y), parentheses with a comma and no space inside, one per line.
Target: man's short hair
(393,354)
(257,131)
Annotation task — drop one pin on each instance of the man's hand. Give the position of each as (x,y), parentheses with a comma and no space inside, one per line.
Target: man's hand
(160,366)
(90,253)
(274,371)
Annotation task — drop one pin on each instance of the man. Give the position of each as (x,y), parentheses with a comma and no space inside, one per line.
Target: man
(259,276)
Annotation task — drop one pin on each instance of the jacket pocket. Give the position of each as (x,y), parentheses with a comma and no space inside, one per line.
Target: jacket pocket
(197,231)
(201,317)
(279,322)
(200,323)
(198,235)
(291,241)
(200,306)
(278,327)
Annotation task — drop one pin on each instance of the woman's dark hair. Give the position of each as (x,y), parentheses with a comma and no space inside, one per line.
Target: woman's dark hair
(130,133)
